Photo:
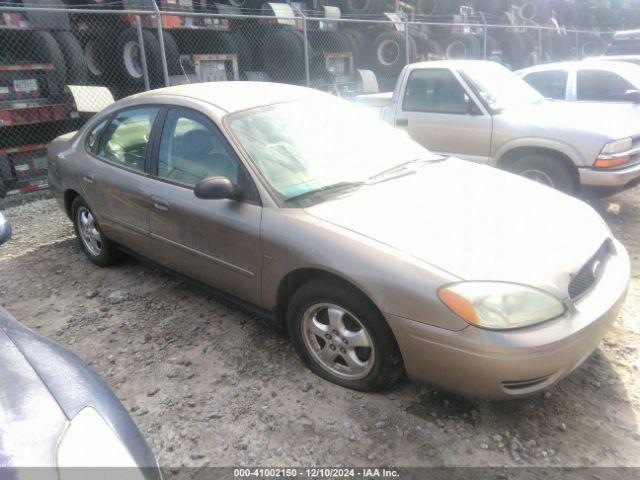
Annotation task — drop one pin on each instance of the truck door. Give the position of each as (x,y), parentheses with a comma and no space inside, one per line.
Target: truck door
(439,113)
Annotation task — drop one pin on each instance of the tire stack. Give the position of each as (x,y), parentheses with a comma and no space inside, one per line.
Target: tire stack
(39,65)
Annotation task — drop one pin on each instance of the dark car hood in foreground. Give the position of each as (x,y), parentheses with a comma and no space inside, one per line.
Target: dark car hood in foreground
(42,386)
(475,222)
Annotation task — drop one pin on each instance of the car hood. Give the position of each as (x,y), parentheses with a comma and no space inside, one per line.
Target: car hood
(31,421)
(475,222)
(551,116)
(42,386)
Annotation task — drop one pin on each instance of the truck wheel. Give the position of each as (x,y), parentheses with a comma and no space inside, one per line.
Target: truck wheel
(244,52)
(513,49)
(95,56)
(128,61)
(172,53)
(342,338)
(77,73)
(46,50)
(590,46)
(358,43)
(389,52)
(282,56)
(548,171)
(461,46)
(362,7)
(6,174)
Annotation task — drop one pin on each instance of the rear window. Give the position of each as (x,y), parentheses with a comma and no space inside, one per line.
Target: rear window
(551,83)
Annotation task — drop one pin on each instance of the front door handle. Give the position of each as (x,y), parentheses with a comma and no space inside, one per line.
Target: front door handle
(160,203)
(89,178)
(402,122)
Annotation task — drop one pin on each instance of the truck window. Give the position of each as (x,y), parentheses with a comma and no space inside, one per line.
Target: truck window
(435,90)
(551,83)
(601,86)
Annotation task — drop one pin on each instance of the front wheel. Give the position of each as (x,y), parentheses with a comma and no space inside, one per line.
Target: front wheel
(95,245)
(341,337)
(548,171)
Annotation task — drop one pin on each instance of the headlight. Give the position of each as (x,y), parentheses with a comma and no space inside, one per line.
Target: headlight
(617,146)
(89,441)
(614,153)
(498,305)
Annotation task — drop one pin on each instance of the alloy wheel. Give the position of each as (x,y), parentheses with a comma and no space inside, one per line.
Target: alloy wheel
(338,341)
(89,233)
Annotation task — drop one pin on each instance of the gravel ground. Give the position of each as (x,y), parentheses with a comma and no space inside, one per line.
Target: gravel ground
(211,385)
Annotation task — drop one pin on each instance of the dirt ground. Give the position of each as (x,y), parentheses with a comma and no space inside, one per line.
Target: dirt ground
(211,385)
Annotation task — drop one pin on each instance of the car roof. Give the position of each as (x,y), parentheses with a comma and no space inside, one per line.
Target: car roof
(450,63)
(594,62)
(236,96)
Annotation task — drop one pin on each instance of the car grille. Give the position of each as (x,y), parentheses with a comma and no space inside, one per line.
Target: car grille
(589,273)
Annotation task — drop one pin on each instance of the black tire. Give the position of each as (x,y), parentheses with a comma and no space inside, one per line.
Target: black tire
(108,251)
(388,53)
(555,173)
(77,73)
(558,47)
(172,53)
(460,46)
(46,50)
(590,46)
(6,172)
(514,49)
(3,189)
(362,7)
(95,56)
(358,46)
(387,364)
(127,68)
(246,60)
(282,56)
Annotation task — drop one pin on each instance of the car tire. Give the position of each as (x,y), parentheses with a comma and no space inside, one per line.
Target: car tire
(282,56)
(375,365)
(100,251)
(77,72)
(546,170)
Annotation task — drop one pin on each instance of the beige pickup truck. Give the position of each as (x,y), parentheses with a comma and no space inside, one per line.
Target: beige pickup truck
(480,111)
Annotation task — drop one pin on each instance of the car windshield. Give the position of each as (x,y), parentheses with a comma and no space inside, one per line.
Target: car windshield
(498,87)
(316,144)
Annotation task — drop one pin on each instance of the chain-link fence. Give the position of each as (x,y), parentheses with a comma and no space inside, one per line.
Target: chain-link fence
(47,48)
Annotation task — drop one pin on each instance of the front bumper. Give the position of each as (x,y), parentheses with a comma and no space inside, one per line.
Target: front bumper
(510,364)
(619,178)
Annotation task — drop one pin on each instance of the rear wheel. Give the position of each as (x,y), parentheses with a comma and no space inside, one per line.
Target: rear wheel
(94,243)
(548,171)
(341,337)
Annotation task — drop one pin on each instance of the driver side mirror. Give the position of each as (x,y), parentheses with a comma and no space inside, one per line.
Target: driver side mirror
(5,229)
(472,108)
(216,188)
(632,96)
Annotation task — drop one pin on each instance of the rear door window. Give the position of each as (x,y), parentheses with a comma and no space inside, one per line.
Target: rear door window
(126,139)
(601,86)
(550,83)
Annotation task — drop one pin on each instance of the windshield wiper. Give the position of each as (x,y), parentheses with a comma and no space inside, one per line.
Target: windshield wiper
(402,166)
(326,189)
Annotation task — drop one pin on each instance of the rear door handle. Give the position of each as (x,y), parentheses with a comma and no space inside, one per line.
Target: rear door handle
(160,203)
(402,122)
(89,178)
